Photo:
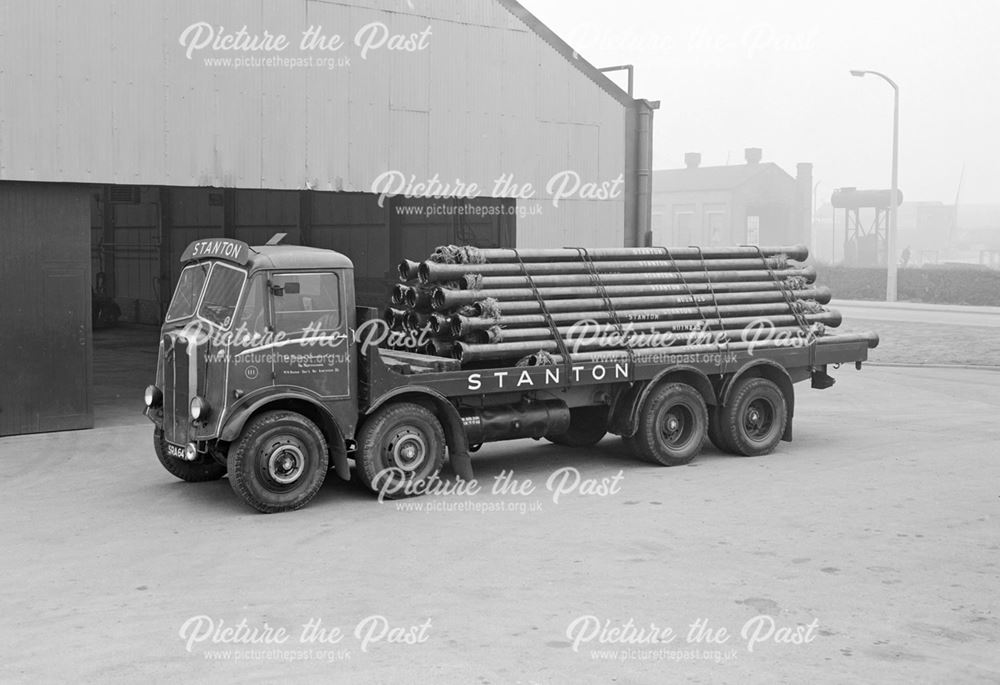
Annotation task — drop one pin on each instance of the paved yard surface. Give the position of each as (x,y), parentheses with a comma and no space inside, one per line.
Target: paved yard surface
(875,532)
(903,342)
(926,333)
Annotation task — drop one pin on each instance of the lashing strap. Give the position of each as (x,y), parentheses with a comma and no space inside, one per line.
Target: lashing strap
(560,343)
(715,303)
(790,301)
(598,282)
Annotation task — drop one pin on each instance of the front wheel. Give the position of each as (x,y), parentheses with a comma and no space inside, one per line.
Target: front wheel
(202,469)
(754,419)
(400,450)
(279,462)
(672,425)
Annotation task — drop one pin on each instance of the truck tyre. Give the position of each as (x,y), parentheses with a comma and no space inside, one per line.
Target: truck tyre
(203,469)
(587,426)
(672,425)
(715,432)
(753,420)
(400,446)
(279,462)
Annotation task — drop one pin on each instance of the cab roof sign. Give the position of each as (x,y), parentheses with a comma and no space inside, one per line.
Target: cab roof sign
(218,248)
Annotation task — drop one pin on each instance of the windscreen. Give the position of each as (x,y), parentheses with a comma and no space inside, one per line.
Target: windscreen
(222,294)
(189,288)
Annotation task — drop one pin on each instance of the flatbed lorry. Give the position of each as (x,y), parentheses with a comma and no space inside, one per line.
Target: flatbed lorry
(268,372)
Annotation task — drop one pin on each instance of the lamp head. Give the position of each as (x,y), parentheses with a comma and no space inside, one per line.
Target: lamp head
(858,72)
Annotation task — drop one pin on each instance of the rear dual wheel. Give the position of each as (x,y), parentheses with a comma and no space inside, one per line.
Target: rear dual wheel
(752,422)
(672,425)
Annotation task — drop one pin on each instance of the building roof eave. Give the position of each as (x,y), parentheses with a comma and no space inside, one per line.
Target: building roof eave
(572,56)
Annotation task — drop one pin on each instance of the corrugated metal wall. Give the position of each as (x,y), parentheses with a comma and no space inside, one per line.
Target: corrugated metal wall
(121,103)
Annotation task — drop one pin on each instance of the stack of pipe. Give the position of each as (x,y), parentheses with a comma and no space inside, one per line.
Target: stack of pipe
(498,306)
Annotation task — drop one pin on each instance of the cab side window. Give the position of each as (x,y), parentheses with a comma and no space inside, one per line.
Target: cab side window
(306,301)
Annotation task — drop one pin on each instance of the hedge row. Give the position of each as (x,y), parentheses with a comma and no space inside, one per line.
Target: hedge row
(932,285)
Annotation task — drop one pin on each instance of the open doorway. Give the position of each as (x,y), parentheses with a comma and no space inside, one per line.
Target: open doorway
(137,234)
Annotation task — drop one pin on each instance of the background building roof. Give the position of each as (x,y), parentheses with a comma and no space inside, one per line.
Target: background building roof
(711,177)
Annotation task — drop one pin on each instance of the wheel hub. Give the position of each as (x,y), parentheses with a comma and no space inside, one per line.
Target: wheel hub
(758,418)
(407,449)
(675,425)
(286,464)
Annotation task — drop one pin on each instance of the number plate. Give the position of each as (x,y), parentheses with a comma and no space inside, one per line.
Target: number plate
(175,451)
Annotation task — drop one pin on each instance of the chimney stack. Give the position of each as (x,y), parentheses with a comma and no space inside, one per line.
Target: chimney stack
(753,155)
(692,160)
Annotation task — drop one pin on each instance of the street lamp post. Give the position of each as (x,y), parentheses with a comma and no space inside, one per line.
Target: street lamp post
(812,214)
(890,247)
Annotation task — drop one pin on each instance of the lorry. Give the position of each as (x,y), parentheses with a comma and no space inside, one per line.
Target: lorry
(267,372)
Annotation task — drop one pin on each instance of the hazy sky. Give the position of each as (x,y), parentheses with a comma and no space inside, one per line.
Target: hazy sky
(731,74)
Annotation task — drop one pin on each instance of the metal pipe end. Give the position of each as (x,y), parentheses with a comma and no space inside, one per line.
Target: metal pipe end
(809,273)
(436,321)
(389,315)
(834,318)
(456,325)
(873,339)
(823,295)
(411,297)
(424,272)
(407,269)
(798,253)
(439,299)
(442,348)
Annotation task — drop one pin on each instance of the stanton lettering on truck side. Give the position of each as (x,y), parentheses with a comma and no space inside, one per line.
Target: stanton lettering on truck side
(547,375)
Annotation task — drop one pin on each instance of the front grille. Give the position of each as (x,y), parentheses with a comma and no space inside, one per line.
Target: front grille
(176,367)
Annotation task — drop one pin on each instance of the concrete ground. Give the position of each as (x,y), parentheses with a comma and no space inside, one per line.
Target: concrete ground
(875,532)
(927,334)
(124,364)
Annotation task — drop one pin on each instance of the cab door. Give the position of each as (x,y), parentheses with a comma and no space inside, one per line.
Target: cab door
(312,350)
(252,359)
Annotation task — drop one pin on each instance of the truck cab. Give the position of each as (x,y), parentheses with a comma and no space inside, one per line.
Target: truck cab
(250,327)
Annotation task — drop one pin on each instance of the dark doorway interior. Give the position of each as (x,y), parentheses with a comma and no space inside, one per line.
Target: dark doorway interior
(138,233)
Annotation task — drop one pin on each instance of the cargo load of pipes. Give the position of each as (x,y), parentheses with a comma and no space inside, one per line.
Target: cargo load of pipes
(501,307)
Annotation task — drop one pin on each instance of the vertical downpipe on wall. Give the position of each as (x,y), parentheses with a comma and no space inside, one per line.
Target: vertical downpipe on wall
(644,172)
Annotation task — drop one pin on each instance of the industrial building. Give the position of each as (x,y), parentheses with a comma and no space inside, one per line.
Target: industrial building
(127,130)
(752,203)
